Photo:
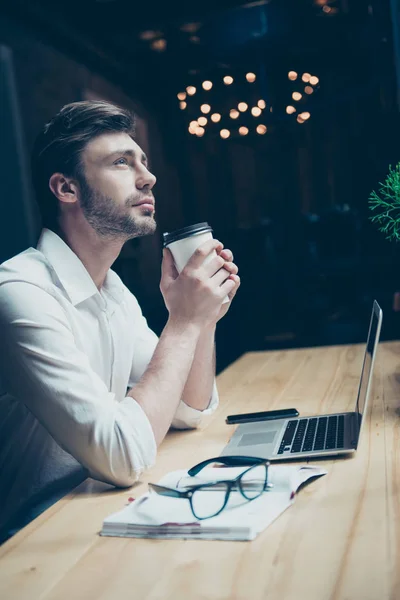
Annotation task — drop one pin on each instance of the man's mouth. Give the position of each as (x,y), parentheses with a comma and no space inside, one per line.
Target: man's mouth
(145,201)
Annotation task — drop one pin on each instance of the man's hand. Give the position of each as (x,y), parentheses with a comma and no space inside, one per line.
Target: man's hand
(195,295)
(233,270)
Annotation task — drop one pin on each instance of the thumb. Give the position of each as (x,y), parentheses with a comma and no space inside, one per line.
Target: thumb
(168,269)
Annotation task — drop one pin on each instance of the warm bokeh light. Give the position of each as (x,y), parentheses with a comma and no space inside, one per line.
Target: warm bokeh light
(300,119)
(191,90)
(207,85)
(242,106)
(215,118)
(194,124)
(181,96)
(228,80)
(159,45)
(314,80)
(149,35)
(296,96)
(243,130)
(192,129)
(292,75)
(202,121)
(306,77)
(233,113)
(205,108)
(327,9)
(308,89)
(256,111)
(305,115)
(250,77)
(182,105)
(261,103)
(261,129)
(224,133)
(200,131)
(290,110)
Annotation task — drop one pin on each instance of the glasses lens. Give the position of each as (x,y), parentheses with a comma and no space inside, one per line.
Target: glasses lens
(252,482)
(206,504)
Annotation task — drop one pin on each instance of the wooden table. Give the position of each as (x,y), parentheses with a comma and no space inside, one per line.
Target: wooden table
(340,540)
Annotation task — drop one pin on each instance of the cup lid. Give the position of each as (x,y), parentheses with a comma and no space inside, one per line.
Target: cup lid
(184,232)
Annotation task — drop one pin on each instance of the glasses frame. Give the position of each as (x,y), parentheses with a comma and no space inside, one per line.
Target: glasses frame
(231,484)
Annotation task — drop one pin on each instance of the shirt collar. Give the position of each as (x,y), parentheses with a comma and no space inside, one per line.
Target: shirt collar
(71,272)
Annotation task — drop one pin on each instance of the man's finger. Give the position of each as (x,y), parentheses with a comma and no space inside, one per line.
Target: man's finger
(201,253)
(168,268)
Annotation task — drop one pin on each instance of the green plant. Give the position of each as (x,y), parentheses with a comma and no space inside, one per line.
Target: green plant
(386,204)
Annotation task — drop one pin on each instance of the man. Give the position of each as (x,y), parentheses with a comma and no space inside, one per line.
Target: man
(86,388)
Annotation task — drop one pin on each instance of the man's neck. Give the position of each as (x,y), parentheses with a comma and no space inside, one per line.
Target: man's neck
(97,254)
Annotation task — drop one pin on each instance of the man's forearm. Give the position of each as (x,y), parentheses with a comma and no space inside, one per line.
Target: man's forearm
(199,385)
(161,388)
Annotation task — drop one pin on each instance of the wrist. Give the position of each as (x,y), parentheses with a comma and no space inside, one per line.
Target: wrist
(181,327)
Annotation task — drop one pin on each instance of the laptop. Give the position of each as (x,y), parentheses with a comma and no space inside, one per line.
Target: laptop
(308,437)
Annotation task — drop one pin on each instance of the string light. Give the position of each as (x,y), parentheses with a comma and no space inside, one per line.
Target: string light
(261,103)
(207,85)
(242,106)
(306,77)
(296,96)
(228,80)
(192,129)
(256,111)
(243,130)
(191,90)
(181,96)
(182,105)
(290,110)
(327,9)
(261,129)
(314,80)
(300,119)
(225,133)
(200,131)
(250,77)
(202,121)
(159,45)
(233,113)
(308,89)
(305,115)
(215,118)
(205,108)
(292,75)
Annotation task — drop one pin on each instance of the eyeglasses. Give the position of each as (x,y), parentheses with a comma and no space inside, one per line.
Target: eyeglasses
(250,484)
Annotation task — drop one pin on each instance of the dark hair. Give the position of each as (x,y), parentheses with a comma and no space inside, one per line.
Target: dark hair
(59,146)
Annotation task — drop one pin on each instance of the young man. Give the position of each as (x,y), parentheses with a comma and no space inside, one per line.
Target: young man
(86,388)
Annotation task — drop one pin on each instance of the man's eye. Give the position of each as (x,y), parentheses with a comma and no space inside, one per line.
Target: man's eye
(121,161)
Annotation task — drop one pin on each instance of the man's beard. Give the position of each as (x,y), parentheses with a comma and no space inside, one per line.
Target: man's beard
(112,221)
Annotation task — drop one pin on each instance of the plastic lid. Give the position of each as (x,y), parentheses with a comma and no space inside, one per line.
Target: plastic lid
(184,232)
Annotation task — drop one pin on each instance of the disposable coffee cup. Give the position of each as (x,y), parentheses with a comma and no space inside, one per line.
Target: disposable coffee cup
(183,242)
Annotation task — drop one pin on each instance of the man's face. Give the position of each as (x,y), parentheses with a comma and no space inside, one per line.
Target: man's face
(116,189)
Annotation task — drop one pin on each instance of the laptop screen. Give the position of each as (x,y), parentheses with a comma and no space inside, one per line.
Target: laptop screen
(366,373)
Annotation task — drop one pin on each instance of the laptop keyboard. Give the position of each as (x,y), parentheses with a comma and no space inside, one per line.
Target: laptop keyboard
(316,433)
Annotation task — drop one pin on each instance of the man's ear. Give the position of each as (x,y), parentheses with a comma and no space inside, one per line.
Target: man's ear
(64,188)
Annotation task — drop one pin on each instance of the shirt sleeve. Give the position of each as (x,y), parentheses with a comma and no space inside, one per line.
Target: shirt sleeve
(42,367)
(146,341)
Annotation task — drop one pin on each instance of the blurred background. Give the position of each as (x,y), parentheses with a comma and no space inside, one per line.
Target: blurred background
(272,120)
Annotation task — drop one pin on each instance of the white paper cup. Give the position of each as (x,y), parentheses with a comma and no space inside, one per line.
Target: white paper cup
(183,242)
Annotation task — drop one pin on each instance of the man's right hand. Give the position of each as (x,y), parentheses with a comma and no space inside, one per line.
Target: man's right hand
(196,294)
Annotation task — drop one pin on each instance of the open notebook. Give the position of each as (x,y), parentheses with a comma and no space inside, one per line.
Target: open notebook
(155,516)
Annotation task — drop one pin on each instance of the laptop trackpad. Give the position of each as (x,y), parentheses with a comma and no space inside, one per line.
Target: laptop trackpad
(255,439)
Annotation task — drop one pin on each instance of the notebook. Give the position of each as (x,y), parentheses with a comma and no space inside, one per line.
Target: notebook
(155,516)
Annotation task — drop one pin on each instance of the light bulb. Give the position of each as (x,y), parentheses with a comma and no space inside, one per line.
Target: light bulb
(216,117)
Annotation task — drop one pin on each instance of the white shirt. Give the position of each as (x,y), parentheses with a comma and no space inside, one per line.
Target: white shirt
(68,354)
